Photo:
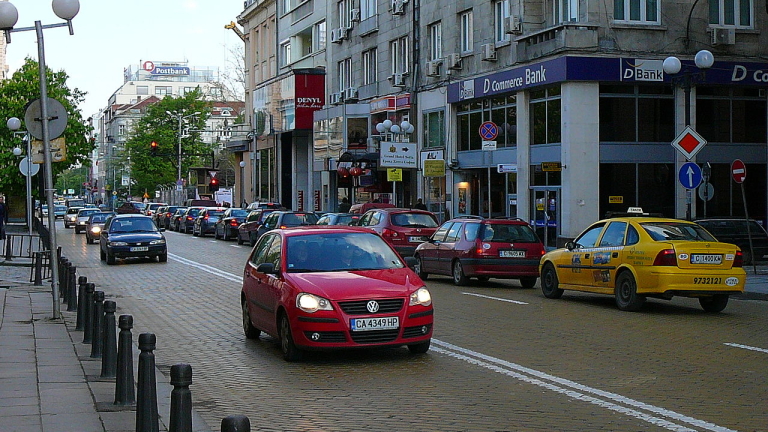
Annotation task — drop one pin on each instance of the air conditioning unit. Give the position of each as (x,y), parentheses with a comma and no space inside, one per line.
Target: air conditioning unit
(354,15)
(723,36)
(398,7)
(335,98)
(489,52)
(454,61)
(336,35)
(398,80)
(433,68)
(350,94)
(513,25)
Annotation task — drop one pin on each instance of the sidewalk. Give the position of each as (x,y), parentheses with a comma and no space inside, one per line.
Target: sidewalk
(48,382)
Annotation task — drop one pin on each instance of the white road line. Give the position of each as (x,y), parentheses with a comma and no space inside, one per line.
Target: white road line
(610,401)
(495,298)
(747,347)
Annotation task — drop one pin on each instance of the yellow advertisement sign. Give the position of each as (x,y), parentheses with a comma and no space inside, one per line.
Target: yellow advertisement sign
(434,168)
(58,150)
(615,199)
(394,174)
(551,166)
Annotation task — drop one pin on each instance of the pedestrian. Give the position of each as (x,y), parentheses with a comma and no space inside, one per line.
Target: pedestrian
(419,205)
(3,217)
(344,206)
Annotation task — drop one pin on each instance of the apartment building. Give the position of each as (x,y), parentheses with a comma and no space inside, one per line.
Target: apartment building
(555,111)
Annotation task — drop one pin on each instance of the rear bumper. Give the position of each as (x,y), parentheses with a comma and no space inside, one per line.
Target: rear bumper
(501,268)
(692,283)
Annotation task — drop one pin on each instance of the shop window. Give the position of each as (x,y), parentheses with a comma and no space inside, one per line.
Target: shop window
(731,115)
(731,13)
(434,129)
(631,113)
(545,116)
(637,11)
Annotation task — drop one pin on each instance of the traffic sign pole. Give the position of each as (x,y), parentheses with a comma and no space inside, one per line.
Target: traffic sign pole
(739,172)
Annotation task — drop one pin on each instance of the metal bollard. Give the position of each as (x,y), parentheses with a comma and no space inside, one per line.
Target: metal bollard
(98,317)
(124,394)
(235,423)
(63,277)
(83,281)
(181,398)
(146,404)
(109,341)
(88,315)
(38,269)
(72,290)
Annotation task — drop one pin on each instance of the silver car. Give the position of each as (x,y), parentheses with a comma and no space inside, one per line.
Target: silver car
(82,219)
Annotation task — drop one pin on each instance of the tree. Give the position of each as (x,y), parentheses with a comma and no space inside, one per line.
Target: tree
(148,171)
(18,91)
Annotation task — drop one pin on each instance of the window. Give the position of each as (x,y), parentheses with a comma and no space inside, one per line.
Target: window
(344,9)
(637,11)
(285,53)
(566,10)
(121,130)
(319,37)
(398,49)
(367,9)
(163,90)
(501,110)
(435,41)
(434,129)
(734,13)
(545,115)
(286,6)
(465,24)
(369,66)
(345,74)
(500,13)
(142,90)
(632,113)
(731,115)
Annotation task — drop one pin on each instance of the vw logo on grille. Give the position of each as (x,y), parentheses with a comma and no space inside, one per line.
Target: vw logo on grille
(372,306)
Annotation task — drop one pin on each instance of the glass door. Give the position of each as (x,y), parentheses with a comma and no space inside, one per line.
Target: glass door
(545,211)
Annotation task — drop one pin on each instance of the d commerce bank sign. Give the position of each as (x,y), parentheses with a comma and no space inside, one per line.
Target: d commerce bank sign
(598,69)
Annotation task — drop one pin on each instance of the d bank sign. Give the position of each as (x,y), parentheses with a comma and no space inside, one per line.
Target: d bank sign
(598,69)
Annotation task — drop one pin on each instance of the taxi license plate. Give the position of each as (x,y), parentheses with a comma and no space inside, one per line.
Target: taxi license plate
(139,249)
(368,324)
(706,259)
(511,254)
(417,239)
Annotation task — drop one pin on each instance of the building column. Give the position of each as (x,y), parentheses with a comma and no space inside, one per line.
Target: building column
(523,156)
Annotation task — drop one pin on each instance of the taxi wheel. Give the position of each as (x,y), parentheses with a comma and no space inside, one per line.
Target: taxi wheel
(419,268)
(528,282)
(549,283)
(459,278)
(239,240)
(715,303)
(627,298)
(290,352)
(250,331)
(419,348)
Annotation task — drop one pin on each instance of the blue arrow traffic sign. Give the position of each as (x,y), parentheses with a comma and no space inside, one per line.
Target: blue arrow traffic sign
(689,175)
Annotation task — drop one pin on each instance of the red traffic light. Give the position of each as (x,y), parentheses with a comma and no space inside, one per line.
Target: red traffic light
(153,147)
(213,186)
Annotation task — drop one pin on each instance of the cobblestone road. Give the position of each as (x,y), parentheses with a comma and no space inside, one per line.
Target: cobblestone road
(503,358)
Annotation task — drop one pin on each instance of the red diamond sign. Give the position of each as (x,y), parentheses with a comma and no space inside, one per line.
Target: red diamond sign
(688,143)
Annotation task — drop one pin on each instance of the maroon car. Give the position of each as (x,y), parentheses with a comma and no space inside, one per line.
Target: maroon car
(473,246)
(402,228)
(247,231)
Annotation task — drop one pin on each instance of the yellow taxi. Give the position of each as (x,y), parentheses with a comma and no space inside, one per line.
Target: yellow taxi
(635,256)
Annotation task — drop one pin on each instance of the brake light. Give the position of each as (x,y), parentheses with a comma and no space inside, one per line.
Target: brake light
(666,257)
(389,234)
(206,217)
(168,214)
(283,227)
(738,260)
(233,222)
(189,217)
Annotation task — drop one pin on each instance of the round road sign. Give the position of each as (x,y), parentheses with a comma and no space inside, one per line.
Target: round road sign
(739,171)
(489,131)
(689,175)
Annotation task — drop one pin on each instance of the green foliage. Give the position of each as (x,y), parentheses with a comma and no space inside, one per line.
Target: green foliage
(71,179)
(149,172)
(15,93)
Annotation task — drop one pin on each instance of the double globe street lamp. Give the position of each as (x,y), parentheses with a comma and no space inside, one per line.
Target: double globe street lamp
(66,10)
(180,117)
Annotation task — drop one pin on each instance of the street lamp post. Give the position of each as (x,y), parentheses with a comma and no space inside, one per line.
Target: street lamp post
(242,182)
(66,10)
(14,124)
(687,79)
(179,182)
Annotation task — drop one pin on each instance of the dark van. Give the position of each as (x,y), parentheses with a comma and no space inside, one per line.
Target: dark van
(734,231)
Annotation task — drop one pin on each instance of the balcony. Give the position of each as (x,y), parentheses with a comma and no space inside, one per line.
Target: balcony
(552,40)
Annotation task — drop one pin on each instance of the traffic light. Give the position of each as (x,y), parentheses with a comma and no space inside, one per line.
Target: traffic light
(213,186)
(153,148)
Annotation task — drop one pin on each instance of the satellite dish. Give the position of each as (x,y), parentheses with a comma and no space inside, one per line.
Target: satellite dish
(57,122)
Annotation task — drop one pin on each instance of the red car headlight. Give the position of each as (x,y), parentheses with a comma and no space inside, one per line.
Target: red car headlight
(311,303)
(420,297)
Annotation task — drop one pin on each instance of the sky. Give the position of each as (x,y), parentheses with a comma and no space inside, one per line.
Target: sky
(110,35)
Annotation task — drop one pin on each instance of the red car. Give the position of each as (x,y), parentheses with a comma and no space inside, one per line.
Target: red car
(403,228)
(332,287)
(247,231)
(483,248)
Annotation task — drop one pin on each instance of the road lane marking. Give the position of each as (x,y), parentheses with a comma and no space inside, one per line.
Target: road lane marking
(747,347)
(569,388)
(604,399)
(495,298)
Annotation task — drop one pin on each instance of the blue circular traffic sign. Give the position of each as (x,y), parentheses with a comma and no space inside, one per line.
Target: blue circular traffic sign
(489,131)
(689,175)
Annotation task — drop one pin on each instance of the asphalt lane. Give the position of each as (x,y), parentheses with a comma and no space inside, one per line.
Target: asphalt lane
(503,357)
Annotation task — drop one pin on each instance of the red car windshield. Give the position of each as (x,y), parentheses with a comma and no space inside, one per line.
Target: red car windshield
(339,252)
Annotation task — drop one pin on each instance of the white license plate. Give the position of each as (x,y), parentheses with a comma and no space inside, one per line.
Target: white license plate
(417,239)
(512,254)
(706,259)
(139,249)
(368,324)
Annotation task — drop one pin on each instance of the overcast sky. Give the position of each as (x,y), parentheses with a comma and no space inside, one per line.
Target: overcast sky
(111,35)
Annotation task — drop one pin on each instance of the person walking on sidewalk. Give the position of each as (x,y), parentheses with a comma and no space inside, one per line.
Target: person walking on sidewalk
(3,217)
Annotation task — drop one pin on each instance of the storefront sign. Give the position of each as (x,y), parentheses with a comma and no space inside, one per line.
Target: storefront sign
(642,70)
(434,168)
(398,155)
(506,168)
(551,166)
(616,199)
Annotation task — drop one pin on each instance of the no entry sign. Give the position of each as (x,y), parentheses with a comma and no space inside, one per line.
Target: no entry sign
(739,171)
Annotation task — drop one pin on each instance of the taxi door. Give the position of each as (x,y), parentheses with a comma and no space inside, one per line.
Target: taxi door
(574,266)
(608,256)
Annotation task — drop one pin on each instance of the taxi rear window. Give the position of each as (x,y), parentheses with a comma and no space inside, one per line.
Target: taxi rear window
(667,231)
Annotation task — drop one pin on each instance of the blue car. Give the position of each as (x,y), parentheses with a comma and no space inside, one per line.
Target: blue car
(132,236)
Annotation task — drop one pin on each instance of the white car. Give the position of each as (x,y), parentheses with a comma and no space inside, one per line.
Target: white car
(82,219)
(70,218)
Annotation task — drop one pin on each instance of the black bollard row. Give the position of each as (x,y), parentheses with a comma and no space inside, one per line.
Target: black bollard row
(38,269)
(181,398)
(63,278)
(72,290)
(124,393)
(98,315)
(235,423)
(146,402)
(81,303)
(109,341)
(88,314)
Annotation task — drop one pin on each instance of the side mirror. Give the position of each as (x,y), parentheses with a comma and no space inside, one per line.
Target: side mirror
(570,246)
(266,268)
